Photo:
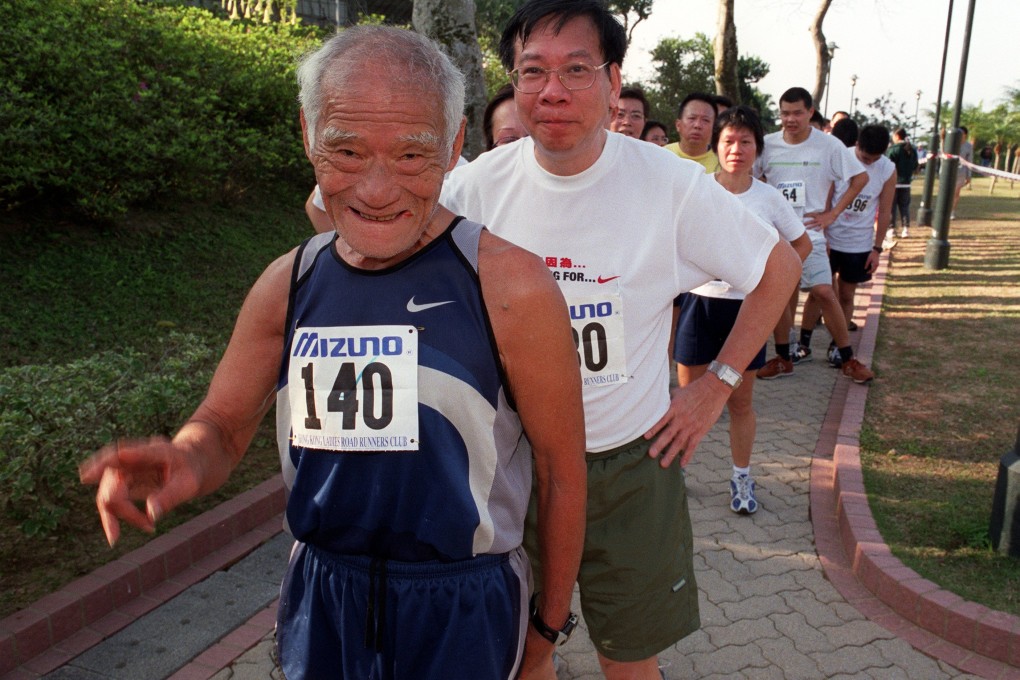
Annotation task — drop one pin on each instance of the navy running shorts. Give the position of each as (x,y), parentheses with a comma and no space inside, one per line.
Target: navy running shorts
(363,618)
(704,325)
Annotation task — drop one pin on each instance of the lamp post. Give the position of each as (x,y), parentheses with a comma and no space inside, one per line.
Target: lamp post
(853,84)
(917,107)
(831,47)
(936,254)
(924,209)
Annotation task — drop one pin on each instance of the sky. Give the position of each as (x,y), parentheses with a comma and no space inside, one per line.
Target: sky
(890,45)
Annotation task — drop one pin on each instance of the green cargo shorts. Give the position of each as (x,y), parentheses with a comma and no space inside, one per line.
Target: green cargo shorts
(638,593)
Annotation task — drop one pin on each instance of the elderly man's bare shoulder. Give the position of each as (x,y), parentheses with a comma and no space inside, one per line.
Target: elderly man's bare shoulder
(269,295)
(512,271)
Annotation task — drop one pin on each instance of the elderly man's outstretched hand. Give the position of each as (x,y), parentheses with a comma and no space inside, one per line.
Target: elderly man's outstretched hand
(153,471)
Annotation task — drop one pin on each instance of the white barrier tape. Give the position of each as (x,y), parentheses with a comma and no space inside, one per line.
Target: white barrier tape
(993,172)
(980,169)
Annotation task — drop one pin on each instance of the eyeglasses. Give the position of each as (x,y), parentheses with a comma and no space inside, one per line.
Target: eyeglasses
(633,115)
(532,79)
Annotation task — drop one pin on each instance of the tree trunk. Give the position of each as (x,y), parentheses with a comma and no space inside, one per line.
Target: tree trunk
(727,82)
(451,23)
(823,62)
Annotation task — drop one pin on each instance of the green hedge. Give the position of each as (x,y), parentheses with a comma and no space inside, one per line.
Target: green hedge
(113,103)
(52,416)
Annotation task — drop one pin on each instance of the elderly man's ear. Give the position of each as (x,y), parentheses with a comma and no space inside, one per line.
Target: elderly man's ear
(458,145)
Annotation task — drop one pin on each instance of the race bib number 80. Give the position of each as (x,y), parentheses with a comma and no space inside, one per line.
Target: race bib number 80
(597,325)
(354,388)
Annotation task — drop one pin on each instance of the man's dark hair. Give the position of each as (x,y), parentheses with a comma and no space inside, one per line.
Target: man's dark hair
(695,97)
(873,139)
(502,94)
(841,113)
(797,94)
(846,131)
(741,117)
(900,133)
(964,128)
(722,100)
(528,17)
(636,93)
(818,118)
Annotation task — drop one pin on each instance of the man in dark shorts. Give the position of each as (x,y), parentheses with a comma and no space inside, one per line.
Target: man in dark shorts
(855,238)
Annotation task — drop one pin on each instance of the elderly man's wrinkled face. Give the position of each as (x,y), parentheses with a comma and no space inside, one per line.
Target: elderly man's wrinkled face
(379,162)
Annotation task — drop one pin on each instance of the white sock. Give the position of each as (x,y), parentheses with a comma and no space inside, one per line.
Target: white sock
(737,471)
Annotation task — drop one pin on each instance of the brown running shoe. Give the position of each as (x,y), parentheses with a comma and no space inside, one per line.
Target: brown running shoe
(777,367)
(856,371)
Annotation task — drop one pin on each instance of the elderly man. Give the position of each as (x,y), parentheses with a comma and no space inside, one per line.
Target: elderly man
(621,224)
(413,355)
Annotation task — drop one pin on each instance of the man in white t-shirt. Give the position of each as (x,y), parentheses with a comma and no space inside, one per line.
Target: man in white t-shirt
(855,238)
(804,163)
(620,224)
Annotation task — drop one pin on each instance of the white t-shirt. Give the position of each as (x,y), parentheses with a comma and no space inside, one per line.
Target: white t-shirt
(770,205)
(623,238)
(804,172)
(854,229)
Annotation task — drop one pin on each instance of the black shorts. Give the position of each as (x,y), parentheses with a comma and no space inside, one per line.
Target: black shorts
(704,325)
(849,266)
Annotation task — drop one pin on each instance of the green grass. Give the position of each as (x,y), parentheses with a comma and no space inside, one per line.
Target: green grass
(947,402)
(70,291)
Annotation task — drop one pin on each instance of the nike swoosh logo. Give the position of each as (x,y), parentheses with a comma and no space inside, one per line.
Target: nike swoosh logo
(607,280)
(412,306)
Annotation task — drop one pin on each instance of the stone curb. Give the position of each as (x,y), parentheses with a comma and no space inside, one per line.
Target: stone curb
(58,627)
(966,635)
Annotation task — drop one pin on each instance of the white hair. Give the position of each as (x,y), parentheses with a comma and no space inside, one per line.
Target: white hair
(410,58)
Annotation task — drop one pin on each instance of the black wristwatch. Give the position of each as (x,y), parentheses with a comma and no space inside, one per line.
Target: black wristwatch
(877,249)
(557,637)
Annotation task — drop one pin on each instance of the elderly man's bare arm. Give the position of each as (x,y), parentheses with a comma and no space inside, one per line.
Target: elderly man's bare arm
(532,329)
(163,473)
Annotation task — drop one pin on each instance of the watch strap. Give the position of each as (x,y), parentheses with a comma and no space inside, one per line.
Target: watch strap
(551,634)
(730,376)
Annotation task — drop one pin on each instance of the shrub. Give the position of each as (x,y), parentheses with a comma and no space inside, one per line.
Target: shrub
(110,103)
(52,416)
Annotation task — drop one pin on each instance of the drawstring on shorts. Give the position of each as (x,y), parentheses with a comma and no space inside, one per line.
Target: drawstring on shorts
(375,624)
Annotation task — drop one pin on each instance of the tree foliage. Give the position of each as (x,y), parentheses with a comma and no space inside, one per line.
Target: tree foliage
(111,103)
(451,23)
(685,66)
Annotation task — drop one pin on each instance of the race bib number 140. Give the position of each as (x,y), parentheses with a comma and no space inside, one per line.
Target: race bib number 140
(354,388)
